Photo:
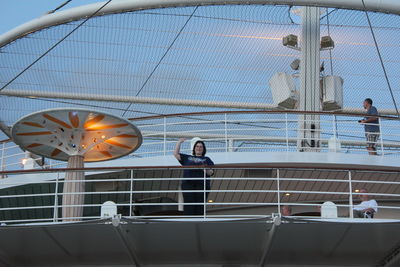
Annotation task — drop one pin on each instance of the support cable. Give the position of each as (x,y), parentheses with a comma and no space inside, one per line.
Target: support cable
(59,7)
(328,13)
(162,58)
(54,46)
(290,15)
(381,60)
(329,34)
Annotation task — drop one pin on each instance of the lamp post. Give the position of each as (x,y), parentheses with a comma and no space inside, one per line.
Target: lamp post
(76,136)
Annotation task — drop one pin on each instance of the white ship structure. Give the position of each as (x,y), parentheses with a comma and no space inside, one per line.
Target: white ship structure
(93,100)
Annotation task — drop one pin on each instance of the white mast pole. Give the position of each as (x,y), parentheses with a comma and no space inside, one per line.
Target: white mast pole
(310,95)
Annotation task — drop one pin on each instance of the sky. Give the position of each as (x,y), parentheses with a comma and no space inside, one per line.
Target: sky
(16,12)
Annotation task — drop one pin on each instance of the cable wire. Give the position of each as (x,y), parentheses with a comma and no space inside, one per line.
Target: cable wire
(59,7)
(381,60)
(329,34)
(163,56)
(54,46)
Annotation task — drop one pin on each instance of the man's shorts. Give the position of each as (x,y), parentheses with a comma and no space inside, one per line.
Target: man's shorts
(372,138)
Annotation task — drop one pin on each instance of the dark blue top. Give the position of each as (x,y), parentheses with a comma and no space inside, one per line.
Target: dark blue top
(189,160)
(372,128)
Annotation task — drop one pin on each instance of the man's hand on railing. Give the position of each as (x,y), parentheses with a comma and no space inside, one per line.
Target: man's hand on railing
(209,172)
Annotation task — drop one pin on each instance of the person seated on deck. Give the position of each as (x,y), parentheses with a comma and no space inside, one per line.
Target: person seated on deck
(367,208)
(286,210)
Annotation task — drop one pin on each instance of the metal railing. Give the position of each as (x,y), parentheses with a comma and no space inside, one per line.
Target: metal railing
(245,131)
(235,193)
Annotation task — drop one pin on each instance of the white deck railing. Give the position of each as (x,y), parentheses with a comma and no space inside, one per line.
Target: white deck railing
(235,193)
(244,131)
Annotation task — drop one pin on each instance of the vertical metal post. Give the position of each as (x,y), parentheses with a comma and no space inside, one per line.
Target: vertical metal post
(204,193)
(335,131)
(181,201)
(278,189)
(131,195)
(335,126)
(55,212)
(226,134)
(381,135)
(287,132)
(350,196)
(310,93)
(2,158)
(165,136)
(231,147)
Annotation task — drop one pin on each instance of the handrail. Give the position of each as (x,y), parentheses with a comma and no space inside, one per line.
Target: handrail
(353,114)
(232,196)
(388,169)
(235,131)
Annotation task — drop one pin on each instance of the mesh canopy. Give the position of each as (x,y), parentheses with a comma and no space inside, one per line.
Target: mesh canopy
(215,53)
